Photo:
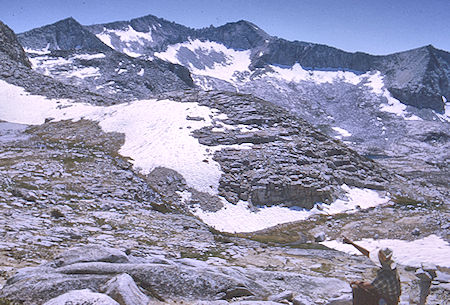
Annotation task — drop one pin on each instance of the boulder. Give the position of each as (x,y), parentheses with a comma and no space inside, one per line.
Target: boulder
(82,297)
(285,295)
(91,253)
(124,290)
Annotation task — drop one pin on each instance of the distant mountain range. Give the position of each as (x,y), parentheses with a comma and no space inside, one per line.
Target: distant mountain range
(422,84)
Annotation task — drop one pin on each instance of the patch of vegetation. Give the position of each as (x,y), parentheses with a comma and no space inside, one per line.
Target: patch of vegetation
(324,268)
(55,213)
(163,208)
(407,201)
(25,185)
(202,256)
(310,246)
(222,239)
(4,301)
(71,162)
(282,235)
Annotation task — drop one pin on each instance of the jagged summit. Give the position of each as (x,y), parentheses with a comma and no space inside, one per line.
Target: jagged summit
(140,36)
(10,47)
(237,35)
(66,34)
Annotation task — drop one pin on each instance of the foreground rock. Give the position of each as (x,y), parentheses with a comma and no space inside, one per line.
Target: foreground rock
(123,289)
(159,279)
(82,297)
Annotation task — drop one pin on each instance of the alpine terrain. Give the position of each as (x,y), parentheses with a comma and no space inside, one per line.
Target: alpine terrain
(145,162)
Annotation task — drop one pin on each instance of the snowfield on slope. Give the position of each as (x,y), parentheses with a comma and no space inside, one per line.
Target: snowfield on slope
(232,66)
(59,66)
(157,133)
(239,218)
(127,35)
(223,63)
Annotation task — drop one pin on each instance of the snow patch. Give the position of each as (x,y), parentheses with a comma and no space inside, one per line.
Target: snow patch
(238,218)
(446,116)
(105,38)
(431,249)
(296,74)
(342,132)
(235,61)
(89,56)
(152,137)
(83,72)
(375,82)
(51,65)
(43,51)
(126,35)
(46,62)
(141,72)
(396,107)
(131,53)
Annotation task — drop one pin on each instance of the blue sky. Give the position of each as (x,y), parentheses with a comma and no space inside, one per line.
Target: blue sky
(372,26)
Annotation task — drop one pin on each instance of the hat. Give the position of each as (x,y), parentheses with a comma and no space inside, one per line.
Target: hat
(385,254)
(382,256)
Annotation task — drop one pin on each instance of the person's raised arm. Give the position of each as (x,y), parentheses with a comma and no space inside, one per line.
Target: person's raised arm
(360,249)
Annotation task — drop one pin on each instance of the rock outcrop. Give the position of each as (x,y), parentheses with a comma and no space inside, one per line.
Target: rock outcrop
(289,162)
(10,47)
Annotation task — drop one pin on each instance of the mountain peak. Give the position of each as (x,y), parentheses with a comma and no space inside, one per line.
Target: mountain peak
(68,20)
(241,34)
(66,34)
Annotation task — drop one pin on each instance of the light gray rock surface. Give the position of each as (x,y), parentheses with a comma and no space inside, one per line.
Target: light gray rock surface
(82,297)
(124,290)
(167,280)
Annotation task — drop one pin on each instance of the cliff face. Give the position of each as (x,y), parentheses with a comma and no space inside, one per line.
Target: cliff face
(10,47)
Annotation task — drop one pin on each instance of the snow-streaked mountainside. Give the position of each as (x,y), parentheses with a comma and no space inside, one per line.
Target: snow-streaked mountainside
(70,53)
(421,85)
(418,85)
(377,99)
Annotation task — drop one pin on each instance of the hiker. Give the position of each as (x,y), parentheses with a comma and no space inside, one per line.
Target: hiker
(385,288)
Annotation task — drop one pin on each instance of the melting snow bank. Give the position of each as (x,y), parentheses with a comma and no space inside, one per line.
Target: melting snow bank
(431,249)
(157,133)
(239,218)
